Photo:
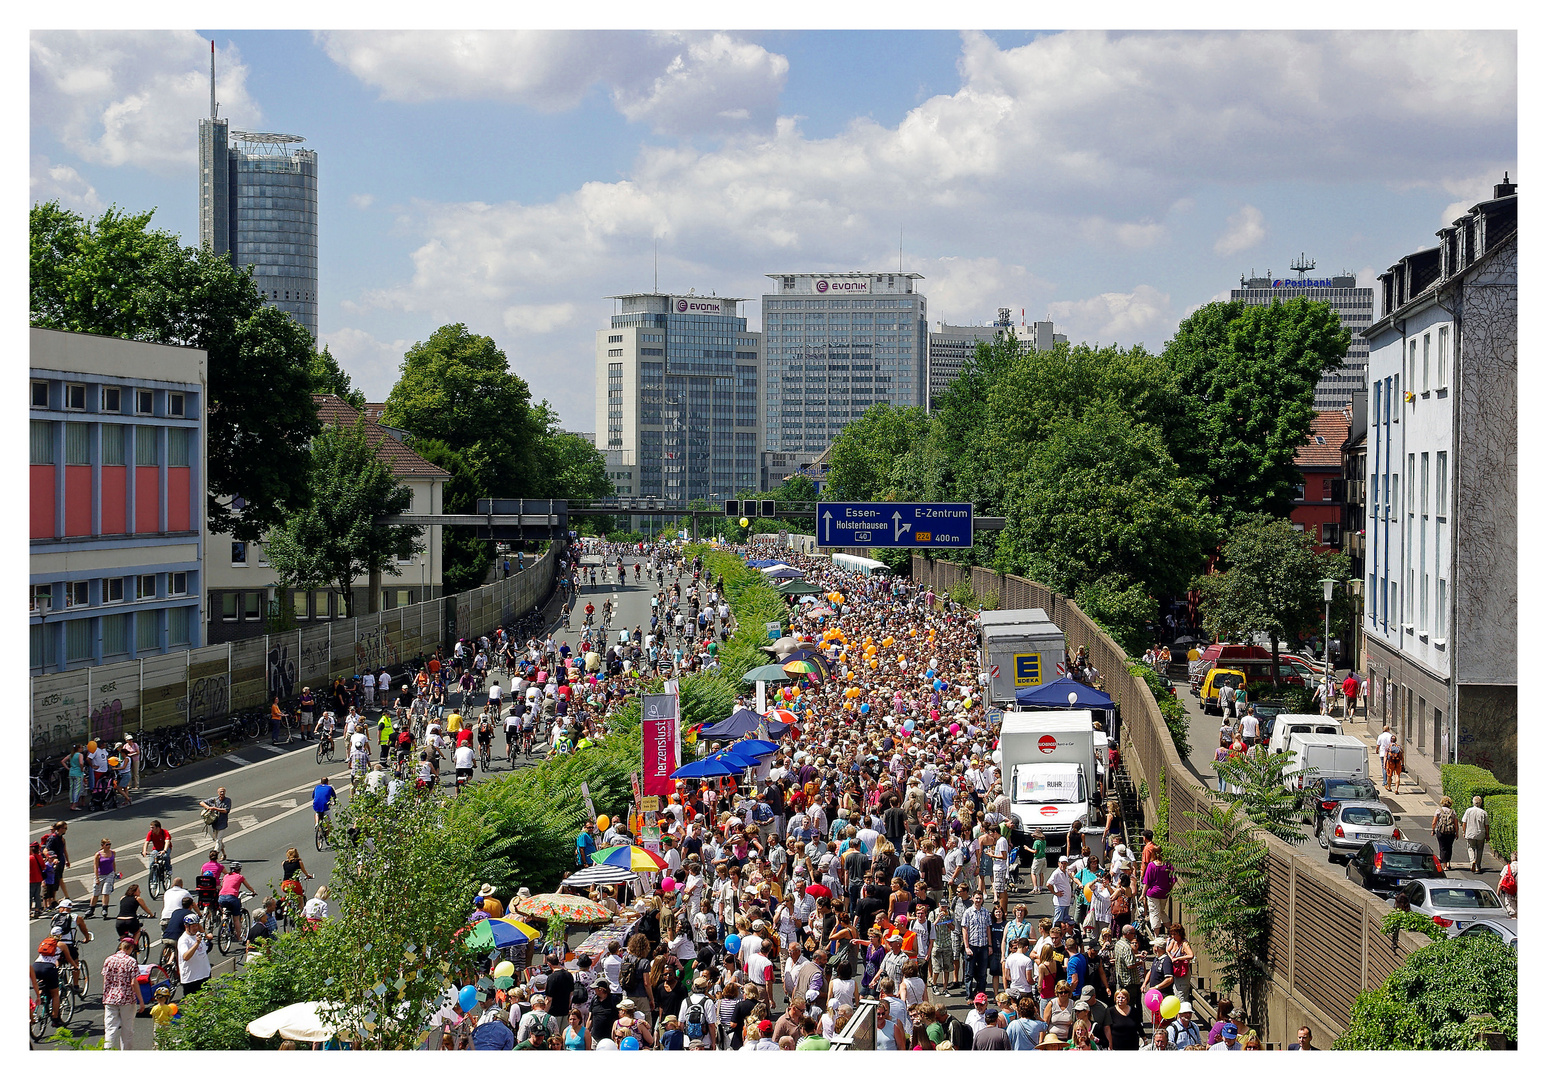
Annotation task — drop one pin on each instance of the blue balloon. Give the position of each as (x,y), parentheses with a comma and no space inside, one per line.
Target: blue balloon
(468,997)
(909,725)
(864,707)
(629,1043)
(733,943)
(930,673)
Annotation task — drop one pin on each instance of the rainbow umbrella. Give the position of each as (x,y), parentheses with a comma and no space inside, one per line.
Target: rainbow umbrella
(569,908)
(803,667)
(500,934)
(633,857)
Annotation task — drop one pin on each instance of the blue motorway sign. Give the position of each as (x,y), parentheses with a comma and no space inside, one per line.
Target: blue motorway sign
(894,524)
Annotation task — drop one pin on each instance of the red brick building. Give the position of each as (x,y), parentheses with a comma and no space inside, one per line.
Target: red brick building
(1318,507)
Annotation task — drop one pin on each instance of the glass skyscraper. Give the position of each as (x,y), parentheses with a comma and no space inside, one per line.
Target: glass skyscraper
(258,201)
(676,387)
(835,344)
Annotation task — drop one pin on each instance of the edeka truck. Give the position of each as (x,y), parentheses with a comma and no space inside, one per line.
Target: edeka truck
(1048,765)
(1020,649)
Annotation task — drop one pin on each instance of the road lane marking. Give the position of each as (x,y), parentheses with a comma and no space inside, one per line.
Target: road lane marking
(237,761)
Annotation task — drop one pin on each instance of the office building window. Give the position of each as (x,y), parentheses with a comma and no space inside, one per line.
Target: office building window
(144,402)
(1439,611)
(252,605)
(145,587)
(1441,484)
(175,404)
(180,626)
(77,593)
(75,398)
(42,443)
(113,444)
(1425,383)
(115,634)
(77,640)
(112,398)
(177,584)
(77,444)
(148,631)
(228,607)
(145,447)
(40,393)
(179,446)
(41,650)
(113,590)
(238,553)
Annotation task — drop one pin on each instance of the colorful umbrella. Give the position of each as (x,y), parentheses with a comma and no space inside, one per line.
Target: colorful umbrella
(579,909)
(819,890)
(499,934)
(820,612)
(632,856)
(600,875)
(802,667)
(779,716)
(699,770)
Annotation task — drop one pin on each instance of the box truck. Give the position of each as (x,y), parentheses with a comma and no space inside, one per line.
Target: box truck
(1020,649)
(1328,755)
(1048,765)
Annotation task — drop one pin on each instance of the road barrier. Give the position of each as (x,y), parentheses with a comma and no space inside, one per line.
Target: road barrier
(210,683)
(1325,941)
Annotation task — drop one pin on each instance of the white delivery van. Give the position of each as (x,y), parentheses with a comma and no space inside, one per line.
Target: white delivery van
(1287,724)
(1346,756)
(1048,768)
(1021,649)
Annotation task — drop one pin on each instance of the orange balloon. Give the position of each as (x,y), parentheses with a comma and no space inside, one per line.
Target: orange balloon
(875,664)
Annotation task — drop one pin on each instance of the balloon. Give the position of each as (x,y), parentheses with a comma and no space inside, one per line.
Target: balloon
(1088,898)
(468,997)
(668,885)
(909,725)
(930,674)
(733,944)
(887,642)
(503,968)
(91,747)
(865,709)
(874,664)
(955,728)
(629,1042)
(1170,1007)
(603,822)
(743,523)
(1152,999)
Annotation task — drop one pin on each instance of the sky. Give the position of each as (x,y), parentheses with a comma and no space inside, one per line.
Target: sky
(513,180)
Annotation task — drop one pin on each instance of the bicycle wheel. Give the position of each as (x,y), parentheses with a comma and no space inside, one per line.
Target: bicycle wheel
(223,935)
(80,985)
(322,753)
(142,944)
(37,1020)
(252,728)
(173,758)
(321,837)
(66,1006)
(154,883)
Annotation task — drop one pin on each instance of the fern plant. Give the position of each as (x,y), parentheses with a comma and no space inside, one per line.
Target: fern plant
(1258,783)
(1224,875)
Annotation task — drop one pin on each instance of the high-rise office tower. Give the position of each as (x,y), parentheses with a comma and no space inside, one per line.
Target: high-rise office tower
(676,396)
(258,201)
(835,344)
(1355,307)
(950,347)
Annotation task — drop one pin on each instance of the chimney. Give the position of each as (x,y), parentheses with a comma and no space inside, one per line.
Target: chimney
(1504,189)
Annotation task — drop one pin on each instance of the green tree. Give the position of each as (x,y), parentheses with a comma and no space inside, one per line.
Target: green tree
(1224,883)
(1256,782)
(465,559)
(1245,377)
(1123,609)
(119,277)
(1428,1003)
(796,488)
(1270,584)
(328,377)
(863,457)
(336,539)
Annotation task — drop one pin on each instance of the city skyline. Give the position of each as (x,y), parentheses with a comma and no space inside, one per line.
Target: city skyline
(519,186)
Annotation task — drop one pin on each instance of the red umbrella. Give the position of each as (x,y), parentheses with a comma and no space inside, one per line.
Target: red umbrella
(819,890)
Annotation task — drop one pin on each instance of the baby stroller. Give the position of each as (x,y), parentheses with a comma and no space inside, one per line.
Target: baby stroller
(105,793)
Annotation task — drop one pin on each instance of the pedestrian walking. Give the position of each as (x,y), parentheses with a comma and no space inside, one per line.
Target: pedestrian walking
(217,815)
(1443,828)
(120,997)
(1475,827)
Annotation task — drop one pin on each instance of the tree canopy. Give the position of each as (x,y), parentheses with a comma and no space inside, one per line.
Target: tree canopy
(117,276)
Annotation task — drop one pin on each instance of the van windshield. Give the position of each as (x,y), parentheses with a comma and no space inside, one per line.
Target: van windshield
(1049,784)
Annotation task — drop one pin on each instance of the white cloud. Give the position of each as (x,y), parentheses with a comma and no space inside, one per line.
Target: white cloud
(74,191)
(362,201)
(966,291)
(538,318)
(371,364)
(133,97)
(1243,232)
(679,84)
(1122,317)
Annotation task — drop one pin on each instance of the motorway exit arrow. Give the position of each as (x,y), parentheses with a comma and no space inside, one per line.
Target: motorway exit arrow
(914,525)
(897,523)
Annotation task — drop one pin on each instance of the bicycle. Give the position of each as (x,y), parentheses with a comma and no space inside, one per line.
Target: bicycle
(228,929)
(511,746)
(325,749)
(78,982)
(39,1019)
(321,835)
(485,755)
(159,876)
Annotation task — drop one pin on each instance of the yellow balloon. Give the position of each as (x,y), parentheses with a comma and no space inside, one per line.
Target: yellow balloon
(913,631)
(504,968)
(743,523)
(887,643)
(91,747)
(1087,894)
(603,822)
(875,664)
(1170,1007)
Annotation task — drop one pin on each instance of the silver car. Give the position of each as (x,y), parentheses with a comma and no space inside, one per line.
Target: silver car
(1453,901)
(1354,822)
(1505,930)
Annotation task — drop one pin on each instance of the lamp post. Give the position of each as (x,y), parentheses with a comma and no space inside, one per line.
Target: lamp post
(1327,585)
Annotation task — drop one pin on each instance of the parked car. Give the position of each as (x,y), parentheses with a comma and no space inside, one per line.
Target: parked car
(1287,724)
(1321,797)
(1385,866)
(1216,678)
(1506,930)
(1453,900)
(1353,823)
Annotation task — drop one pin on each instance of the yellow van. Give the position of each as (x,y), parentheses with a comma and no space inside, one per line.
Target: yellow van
(1217,677)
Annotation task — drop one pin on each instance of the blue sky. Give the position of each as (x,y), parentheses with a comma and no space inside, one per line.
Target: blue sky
(512,180)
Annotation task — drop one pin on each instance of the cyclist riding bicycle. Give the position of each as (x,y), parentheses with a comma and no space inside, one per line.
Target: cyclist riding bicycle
(64,927)
(159,841)
(590,612)
(323,798)
(327,723)
(231,887)
(485,734)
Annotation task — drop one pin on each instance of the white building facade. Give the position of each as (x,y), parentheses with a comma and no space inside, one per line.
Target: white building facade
(1440,548)
(835,344)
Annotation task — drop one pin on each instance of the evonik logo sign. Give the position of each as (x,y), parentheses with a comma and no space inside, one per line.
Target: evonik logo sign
(825,285)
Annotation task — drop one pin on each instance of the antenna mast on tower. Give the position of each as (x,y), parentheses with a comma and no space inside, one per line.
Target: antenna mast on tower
(1303,265)
(214,106)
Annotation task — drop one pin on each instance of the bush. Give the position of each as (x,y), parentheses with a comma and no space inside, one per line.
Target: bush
(1458,781)
(1172,711)
(989,601)
(1503,824)
(1411,920)
(1294,699)
(962,593)
(1428,1002)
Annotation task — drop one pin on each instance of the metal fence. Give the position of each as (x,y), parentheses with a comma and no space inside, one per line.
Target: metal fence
(209,683)
(1325,942)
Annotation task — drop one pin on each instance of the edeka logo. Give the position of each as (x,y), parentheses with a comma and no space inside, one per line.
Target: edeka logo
(682,305)
(1047,744)
(1028,669)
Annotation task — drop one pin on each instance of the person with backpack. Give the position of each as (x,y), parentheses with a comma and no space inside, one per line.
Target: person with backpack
(1444,827)
(1509,886)
(64,927)
(1183,1032)
(698,1012)
(45,975)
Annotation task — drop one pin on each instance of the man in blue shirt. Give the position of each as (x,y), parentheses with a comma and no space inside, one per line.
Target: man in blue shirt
(323,796)
(585,845)
(492,1033)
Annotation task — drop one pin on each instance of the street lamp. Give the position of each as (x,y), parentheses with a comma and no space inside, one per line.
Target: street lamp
(1327,585)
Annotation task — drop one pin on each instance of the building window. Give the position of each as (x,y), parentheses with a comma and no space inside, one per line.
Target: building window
(77,594)
(1441,481)
(145,447)
(42,598)
(113,444)
(145,587)
(1326,491)
(177,584)
(262,558)
(614,338)
(148,631)
(1425,383)
(1329,534)
(386,600)
(112,397)
(144,402)
(77,444)
(252,605)
(1439,612)
(115,634)
(41,646)
(75,398)
(179,443)
(174,404)
(238,553)
(180,625)
(320,604)
(77,640)
(298,601)
(228,607)
(614,352)
(40,393)
(42,443)
(1442,359)
(113,590)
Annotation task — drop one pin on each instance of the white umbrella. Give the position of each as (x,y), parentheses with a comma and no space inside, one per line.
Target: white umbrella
(299,1021)
(601,874)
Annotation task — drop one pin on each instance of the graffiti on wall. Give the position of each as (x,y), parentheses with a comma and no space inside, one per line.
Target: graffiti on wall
(59,721)
(107,719)
(209,697)
(314,657)
(375,649)
(281,669)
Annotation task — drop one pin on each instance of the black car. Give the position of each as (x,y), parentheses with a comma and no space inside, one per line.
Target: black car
(1322,795)
(1384,866)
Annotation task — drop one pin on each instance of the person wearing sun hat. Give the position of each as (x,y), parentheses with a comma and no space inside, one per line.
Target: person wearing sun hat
(490,903)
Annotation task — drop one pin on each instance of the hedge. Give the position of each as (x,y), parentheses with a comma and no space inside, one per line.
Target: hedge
(1461,782)
(1503,824)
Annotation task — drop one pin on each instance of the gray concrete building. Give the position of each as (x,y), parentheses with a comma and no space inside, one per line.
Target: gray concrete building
(950,347)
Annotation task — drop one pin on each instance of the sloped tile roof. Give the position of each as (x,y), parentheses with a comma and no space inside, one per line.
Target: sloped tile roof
(403,462)
(1323,449)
